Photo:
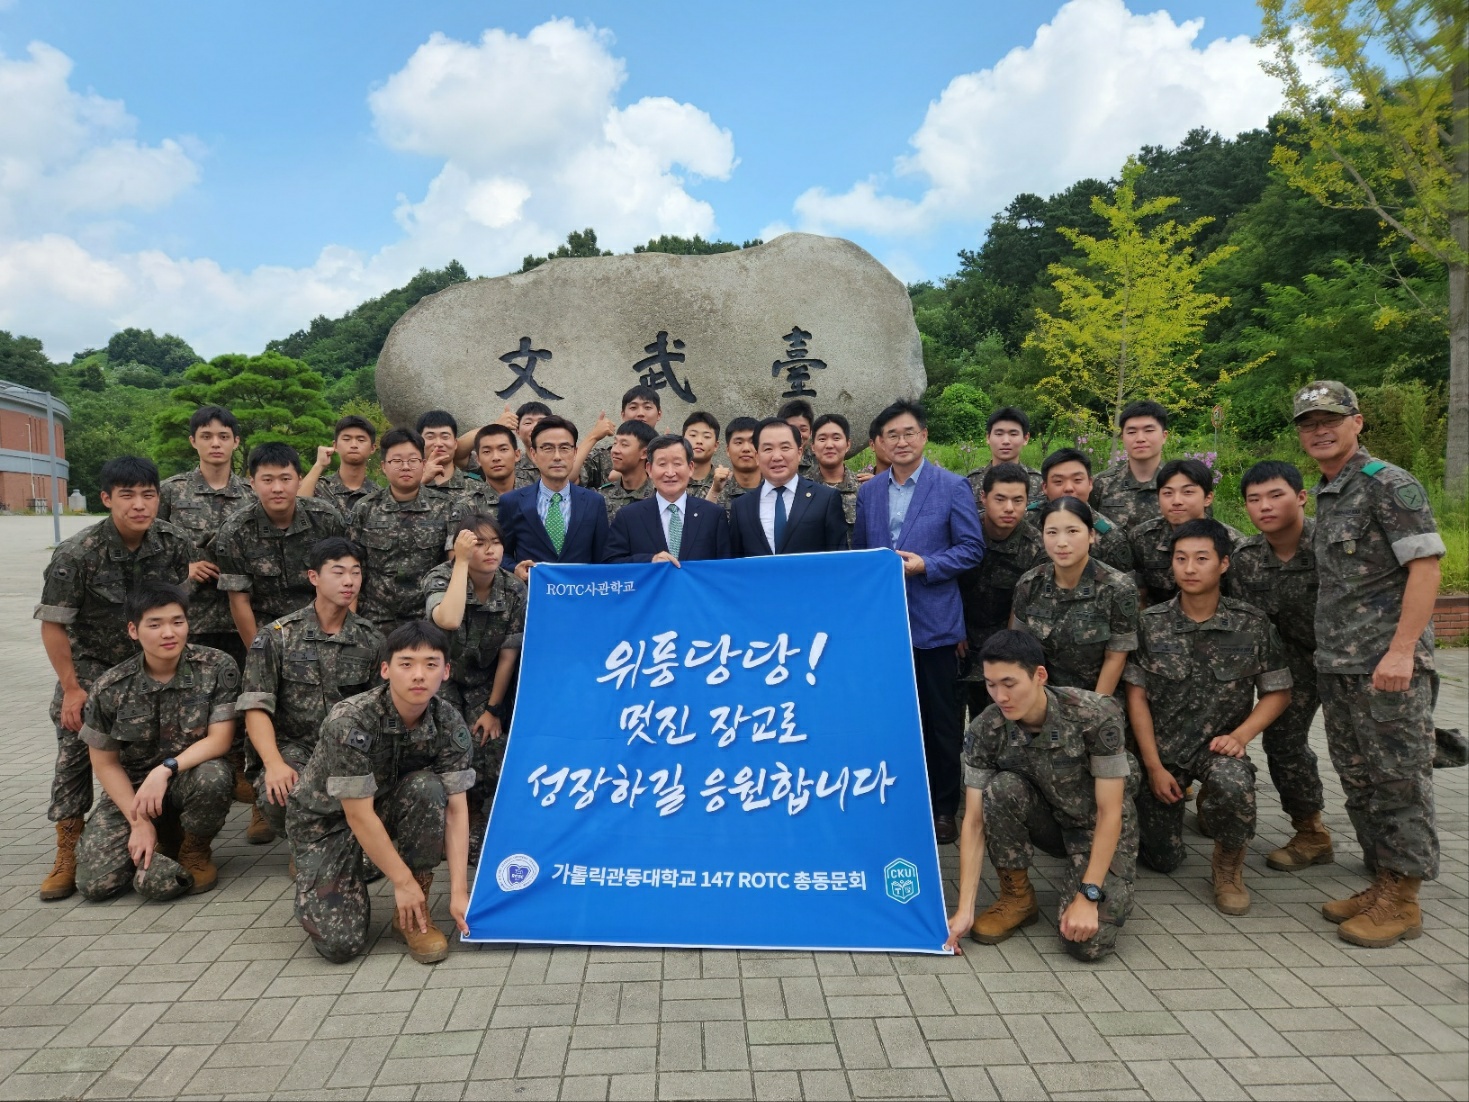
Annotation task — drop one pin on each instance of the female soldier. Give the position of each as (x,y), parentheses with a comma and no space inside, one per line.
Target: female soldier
(1083,612)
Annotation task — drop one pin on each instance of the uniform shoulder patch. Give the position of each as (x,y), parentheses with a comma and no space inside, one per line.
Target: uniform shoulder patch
(359,739)
(460,737)
(1410,495)
(229,674)
(258,643)
(1373,467)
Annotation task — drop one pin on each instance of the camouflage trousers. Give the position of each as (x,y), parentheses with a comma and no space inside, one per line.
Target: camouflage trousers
(198,801)
(487,760)
(231,643)
(331,885)
(1288,753)
(296,756)
(1227,803)
(1382,745)
(1018,820)
(71,784)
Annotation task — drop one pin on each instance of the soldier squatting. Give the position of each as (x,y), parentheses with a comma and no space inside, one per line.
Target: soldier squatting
(341,655)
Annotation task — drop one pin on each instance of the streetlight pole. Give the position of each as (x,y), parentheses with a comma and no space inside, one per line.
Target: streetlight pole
(55,479)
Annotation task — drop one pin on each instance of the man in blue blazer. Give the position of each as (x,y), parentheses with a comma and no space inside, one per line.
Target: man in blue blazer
(788,514)
(552,520)
(927,515)
(670,526)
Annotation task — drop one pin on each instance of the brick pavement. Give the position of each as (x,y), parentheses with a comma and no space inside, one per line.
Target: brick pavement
(219,996)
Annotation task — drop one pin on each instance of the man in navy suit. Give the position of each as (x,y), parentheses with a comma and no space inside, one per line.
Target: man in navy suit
(552,520)
(788,514)
(927,515)
(669,526)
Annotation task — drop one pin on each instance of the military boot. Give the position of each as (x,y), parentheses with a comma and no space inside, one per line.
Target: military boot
(1015,908)
(429,946)
(1339,910)
(1394,915)
(244,790)
(61,881)
(1311,845)
(1228,868)
(259,832)
(196,857)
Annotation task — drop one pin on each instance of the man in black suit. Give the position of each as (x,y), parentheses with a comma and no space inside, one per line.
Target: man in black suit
(788,514)
(552,520)
(669,526)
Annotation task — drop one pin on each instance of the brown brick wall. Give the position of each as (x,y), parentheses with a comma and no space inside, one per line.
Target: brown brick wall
(1451,616)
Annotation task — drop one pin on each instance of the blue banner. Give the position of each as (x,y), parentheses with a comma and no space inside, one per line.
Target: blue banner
(725,754)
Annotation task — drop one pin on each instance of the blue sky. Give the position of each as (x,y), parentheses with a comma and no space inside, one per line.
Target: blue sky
(226,171)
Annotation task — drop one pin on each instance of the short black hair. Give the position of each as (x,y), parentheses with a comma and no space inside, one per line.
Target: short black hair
(796,407)
(129,471)
(873,428)
(546,424)
(1192,469)
(149,595)
(1005,472)
(352,421)
(668,440)
(1074,505)
(393,437)
(205,414)
(273,454)
(898,409)
(1008,413)
(437,419)
(740,424)
(473,522)
(527,408)
(1065,455)
(1016,646)
(771,422)
(700,417)
(1204,528)
(644,432)
(832,419)
(494,428)
(331,549)
(646,393)
(1142,408)
(1268,470)
(416,635)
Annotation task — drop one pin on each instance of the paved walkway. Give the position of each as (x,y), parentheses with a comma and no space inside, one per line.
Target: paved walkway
(219,996)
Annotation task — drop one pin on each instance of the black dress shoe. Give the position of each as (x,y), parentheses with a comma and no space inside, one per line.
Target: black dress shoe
(945,829)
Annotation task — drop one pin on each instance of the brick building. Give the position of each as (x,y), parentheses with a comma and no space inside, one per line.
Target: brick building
(25,463)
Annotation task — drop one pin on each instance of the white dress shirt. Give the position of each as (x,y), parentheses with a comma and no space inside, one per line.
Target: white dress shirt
(767,507)
(683,511)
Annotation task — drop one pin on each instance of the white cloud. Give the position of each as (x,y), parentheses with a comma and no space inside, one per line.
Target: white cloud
(1097,83)
(533,143)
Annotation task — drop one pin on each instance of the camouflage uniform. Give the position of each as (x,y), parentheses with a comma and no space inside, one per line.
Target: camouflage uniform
(1040,790)
(809,466)
(1077,627)
(366,752)
(527,473)
(270,563)
(986,592)
(474,653)
(86,583)
(1286,592)
(1201,681)
(331,489)
(457,485)
(1035,486)
(1152,556)
(295,673)
(403,541)
(1371,521)
(598,467)
(732,490)
(1123,498)
(188,502)
(146,721)
(617,496)
(481,497)
(698,487)
(1111,546)
(848,488)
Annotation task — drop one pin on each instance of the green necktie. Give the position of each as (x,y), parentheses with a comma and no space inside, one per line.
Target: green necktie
(556,523)
(675,530)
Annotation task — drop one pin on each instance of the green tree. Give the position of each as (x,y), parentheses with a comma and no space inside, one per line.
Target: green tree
(171,355)
(583,243)
(274,397)
(105,424)
(23,361)
(1130,317)
(958,413)
(1388,132)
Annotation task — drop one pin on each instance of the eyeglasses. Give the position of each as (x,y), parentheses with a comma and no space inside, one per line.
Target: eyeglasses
(903,437)
(556,449)
(403,464)
(1327,421)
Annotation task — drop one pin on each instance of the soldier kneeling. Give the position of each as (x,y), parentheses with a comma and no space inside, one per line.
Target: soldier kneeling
(386,782)
(158,727)
(1046,767)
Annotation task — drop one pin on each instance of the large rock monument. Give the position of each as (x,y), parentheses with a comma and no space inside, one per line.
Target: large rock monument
(734,333)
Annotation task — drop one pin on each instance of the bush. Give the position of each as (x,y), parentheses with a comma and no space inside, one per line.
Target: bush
(958,413)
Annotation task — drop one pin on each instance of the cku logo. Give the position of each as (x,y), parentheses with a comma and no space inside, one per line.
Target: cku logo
(516,872)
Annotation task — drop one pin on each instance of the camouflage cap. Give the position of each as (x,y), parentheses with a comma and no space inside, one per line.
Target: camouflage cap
(1326,396)
(163,879)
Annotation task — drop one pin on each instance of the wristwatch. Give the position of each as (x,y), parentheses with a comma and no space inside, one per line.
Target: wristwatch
(1093,894)
(172,765)
(497,710)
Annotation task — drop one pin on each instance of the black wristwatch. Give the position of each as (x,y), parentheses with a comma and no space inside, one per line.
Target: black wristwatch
(1093,894)
(172,765)
(496,710)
